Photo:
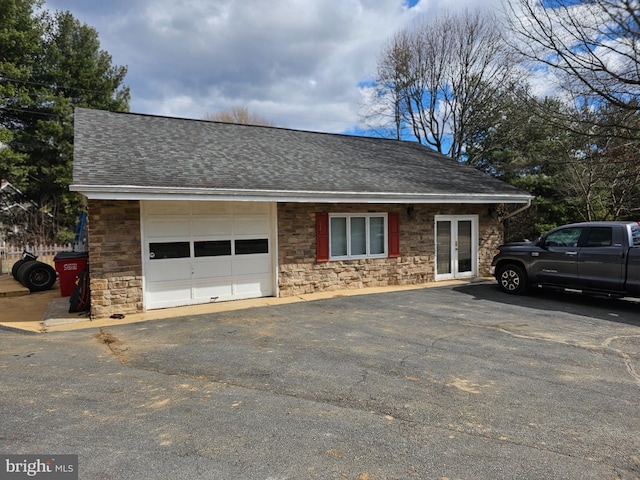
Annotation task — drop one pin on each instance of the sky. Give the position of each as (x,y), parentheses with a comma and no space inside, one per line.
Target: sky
(302,64)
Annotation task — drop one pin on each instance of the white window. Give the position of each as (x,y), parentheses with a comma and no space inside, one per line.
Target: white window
(357,235)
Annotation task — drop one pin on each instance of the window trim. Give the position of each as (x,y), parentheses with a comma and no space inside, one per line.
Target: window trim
(367,216)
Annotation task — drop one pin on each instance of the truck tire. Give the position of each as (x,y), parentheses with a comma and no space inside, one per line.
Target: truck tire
(16,267)
(512,279)
(37,276)
(21,269)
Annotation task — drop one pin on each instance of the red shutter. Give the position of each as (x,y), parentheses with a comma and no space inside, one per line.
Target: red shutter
(322,237)
(393,220)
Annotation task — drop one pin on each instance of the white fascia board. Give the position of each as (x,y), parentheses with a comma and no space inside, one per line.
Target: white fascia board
(109,192)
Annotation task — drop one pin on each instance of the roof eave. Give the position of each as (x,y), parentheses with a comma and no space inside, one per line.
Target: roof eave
(133,192)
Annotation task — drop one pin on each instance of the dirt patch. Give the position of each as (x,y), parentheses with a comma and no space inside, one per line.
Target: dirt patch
(465,385)
(114,345)
(27,307)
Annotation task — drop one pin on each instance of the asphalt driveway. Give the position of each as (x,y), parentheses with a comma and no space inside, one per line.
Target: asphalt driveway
(452,382)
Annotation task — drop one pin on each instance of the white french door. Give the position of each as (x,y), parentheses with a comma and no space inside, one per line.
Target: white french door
(456,238)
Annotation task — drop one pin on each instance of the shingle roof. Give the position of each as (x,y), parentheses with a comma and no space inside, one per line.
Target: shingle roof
(124,154)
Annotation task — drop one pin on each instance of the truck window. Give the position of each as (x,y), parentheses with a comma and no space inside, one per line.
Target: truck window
(567,237)
(599,237)
(635,234)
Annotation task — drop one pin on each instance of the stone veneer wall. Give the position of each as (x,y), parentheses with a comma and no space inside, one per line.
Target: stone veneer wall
(299,272)
(115,257)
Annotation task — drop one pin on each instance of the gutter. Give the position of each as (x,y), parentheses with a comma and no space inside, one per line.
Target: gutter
(518,210)
(134,192)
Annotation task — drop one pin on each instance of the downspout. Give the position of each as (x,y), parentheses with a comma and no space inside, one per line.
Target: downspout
(517,211)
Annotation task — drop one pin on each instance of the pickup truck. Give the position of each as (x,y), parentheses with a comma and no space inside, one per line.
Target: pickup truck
(599,258)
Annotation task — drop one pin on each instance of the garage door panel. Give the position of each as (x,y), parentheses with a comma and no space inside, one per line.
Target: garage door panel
(167,228)
(210,292)
(171,289)
(219,268)
(168,294)
(162,207)
(212,208)
(250,208)
(217,227)
(170,270)
(253,286)
(252,265)
(251,225)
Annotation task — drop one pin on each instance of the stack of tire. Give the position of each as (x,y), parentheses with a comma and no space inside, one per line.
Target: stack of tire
(36,276)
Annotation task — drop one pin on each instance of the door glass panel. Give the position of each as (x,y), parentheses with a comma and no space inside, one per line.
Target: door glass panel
(358,236)
(160,251)
(212,248)
(376,234)
(443,247)
(248,247)
(600,237)
(464,246)
(339,237)
(567,237)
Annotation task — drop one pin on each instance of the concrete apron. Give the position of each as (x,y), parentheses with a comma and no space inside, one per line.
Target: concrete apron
(48,312)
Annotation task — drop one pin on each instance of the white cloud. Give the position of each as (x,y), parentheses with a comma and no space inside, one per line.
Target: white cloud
(295,62)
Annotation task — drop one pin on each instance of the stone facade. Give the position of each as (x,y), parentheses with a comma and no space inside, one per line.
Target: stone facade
(115,257)
(300,273)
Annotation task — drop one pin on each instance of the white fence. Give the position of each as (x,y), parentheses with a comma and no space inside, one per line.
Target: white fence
(10,254)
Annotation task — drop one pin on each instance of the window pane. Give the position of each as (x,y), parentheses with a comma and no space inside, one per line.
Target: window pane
(247,247)
(635,233)
(600,237)
(358,236)
(464,246)
(376,235)
(338,237)
(212,248)
(160,251)
(567,237)
(443,247)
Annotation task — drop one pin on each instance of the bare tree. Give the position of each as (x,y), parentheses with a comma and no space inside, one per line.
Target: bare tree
(599,177)
(592,49)
(393,81)
(430,77)
(592,46)
(239,114)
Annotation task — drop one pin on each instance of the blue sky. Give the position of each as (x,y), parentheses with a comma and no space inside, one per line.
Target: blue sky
(303,64)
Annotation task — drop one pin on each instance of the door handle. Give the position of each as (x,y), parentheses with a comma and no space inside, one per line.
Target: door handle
(571,254)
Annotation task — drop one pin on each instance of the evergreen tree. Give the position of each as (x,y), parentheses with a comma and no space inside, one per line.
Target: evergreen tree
(49,65)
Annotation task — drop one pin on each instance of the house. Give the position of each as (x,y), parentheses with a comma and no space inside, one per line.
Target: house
(187,211)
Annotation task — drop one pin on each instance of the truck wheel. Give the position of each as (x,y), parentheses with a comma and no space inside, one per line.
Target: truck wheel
(37,276)
(512,279)
(16,266)
(20,270)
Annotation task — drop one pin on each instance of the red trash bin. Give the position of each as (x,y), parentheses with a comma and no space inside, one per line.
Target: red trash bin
(69,265)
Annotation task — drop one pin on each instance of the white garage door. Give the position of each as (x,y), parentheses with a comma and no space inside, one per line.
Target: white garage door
(200,252)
